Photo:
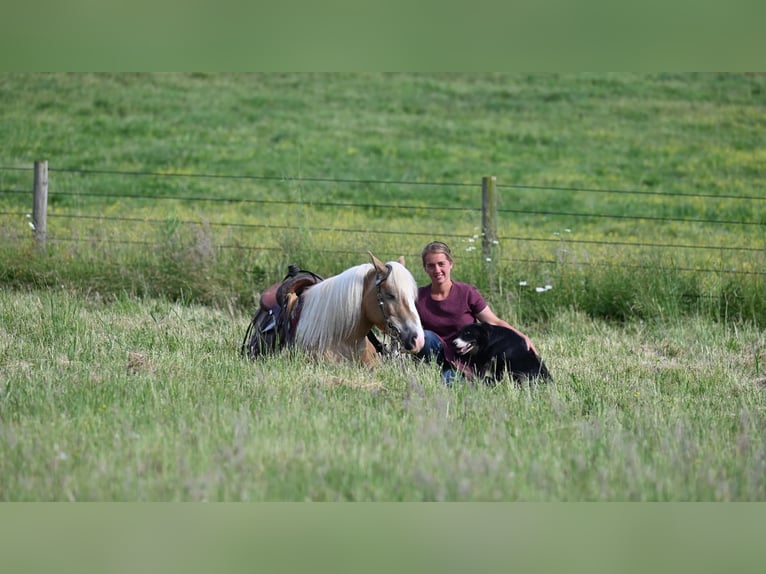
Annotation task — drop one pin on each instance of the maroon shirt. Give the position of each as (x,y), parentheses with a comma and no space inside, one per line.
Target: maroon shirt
(446,318)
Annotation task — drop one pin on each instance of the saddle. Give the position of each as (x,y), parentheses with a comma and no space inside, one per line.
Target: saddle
(273,325)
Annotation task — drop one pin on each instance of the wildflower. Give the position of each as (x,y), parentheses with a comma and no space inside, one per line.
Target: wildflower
(471,248)
(60,454)
(540,289)
(548,287)
(489,259)
(523,283)
(31,225)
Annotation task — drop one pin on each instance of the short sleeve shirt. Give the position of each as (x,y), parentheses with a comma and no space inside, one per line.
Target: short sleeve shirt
(446,318)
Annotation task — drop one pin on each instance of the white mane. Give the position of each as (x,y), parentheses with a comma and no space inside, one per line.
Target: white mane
(331,309)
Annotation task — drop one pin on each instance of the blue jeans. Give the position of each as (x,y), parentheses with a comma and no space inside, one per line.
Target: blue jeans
(433,350)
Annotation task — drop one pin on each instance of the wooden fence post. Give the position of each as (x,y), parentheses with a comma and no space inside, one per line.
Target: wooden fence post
(40,202)
(488,215)
(489,223)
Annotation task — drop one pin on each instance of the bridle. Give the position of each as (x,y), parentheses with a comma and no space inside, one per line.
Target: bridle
(391,329)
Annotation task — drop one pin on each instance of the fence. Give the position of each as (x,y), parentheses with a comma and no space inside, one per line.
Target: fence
(737,252)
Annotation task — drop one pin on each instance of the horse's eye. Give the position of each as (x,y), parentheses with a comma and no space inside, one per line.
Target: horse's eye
(390,296)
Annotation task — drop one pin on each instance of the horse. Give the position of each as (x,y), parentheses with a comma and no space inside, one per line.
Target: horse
(335,315)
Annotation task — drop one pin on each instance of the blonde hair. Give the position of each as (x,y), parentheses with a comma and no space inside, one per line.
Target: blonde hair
(436,247)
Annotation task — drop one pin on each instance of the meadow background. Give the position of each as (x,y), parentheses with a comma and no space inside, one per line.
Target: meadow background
(176,198)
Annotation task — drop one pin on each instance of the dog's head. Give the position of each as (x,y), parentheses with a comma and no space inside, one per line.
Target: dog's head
(471,339)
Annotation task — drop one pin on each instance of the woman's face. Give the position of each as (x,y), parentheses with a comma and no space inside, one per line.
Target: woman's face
(438,268)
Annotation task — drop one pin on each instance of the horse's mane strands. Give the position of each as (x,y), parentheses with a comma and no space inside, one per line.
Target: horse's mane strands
(331,309)
(401,277)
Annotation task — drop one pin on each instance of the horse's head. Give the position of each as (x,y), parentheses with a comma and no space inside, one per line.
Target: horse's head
(395,294)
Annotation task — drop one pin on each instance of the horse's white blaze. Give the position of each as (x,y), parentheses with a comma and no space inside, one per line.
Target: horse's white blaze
(410,324)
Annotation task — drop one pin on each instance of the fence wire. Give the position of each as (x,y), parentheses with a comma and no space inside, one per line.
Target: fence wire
(57,196)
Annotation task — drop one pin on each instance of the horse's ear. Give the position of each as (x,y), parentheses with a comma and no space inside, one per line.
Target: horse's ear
(379,265)
(401,260)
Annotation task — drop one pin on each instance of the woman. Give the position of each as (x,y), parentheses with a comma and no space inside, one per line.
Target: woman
(446,306)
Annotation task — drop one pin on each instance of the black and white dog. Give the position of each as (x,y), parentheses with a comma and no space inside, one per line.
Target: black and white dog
(493,351)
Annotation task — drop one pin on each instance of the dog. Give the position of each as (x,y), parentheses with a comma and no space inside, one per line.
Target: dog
(491,352)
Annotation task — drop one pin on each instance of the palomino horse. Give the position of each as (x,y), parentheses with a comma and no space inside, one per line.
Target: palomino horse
(337,314)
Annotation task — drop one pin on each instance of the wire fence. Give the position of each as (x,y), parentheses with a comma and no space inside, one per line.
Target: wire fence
(88,205)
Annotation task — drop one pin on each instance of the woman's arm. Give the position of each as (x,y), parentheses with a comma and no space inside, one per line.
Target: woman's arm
(489,317)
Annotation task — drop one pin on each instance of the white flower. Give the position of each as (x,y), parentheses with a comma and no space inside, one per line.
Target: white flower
(523,283)
(471,239)
(60,454)
(489,259)
(31,225)
(548,287)
(540,289)
(470,248)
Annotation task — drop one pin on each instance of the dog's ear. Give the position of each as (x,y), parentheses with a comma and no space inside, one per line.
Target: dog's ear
(400,259)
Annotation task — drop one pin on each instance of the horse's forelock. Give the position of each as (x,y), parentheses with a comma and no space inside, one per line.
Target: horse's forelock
(402,278)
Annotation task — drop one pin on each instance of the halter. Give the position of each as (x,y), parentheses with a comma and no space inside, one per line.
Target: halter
(381,278)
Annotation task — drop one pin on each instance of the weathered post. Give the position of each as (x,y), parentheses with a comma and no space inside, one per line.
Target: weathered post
(489,224)
(40,202)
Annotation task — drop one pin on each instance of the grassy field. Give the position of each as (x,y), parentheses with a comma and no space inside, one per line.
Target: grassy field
(148,400)
(119,370)
(688,148)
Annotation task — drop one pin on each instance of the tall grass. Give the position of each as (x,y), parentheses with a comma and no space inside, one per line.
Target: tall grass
(119,370)
(145,399)
(185,265)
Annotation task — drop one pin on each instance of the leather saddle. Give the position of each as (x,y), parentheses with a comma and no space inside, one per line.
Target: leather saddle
(273,326)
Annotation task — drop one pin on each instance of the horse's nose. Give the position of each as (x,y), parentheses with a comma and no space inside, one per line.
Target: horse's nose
(413,342)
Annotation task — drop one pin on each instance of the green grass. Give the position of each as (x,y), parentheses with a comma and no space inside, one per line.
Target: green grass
(148,400)
(661,133)
(119,374)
